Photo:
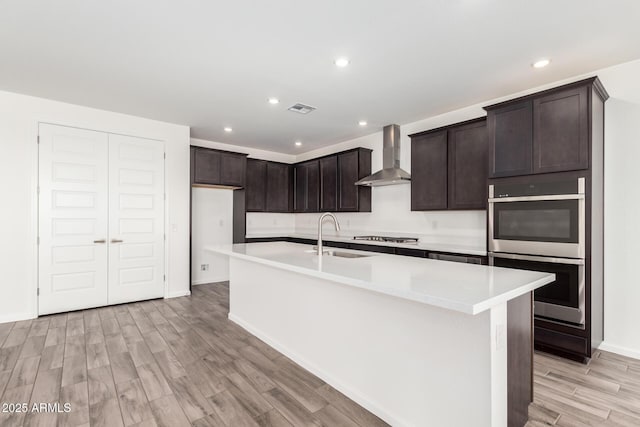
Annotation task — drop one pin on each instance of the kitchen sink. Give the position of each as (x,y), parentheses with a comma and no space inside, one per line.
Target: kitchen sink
(339,254)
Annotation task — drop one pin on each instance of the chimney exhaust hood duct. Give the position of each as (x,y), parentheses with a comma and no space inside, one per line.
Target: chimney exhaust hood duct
(391,174)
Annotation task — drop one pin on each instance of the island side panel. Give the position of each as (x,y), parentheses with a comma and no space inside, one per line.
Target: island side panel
(520,358)
(409,363)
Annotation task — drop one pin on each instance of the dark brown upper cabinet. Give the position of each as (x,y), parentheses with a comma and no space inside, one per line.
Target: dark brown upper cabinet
(307,187)
(543,132)
(256,188)
(449,167)
(329,184)
(352,166)
(429,172)
(561,131)
(511,139)
(279,182)
(468,166)
(218,168)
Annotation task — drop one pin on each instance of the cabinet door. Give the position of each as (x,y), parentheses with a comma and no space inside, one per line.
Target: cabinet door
(561,131)
(510,140)
(468,166)
(300,186)
(207,166)
(329,184)
(256,185)
(277,199)
(347,177)
(429,172)
(232,169)
(313,186)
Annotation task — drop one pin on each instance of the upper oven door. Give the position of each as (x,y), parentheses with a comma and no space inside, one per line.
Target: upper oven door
(552,226)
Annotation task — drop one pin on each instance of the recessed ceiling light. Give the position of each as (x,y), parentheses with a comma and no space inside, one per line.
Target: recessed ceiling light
(228,129)
(274,101)
(541,63)
(341,62)
(298,143)
(362,122)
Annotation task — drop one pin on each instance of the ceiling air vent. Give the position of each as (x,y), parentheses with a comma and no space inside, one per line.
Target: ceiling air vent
(301,108)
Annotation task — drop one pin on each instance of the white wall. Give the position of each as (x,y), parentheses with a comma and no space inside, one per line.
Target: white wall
(212,224)
(19,118)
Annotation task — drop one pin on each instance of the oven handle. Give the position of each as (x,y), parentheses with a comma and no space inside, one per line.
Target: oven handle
(537,198)
(551,260)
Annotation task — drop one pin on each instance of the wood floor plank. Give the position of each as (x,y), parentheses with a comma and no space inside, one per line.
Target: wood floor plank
(106,413)
(291,409)
(24,373)
(16,337)
(330,416)
(9,357)
(153,381)
(74,370)
(250,398)
(75,346)
(273,418)
(77,395)
(52,357)
(194,404)
(169,364)
(32,346)
(133,402)
(97,355)
(39,328)
(168,413)
(297,389)
(230,411)
(55,336)
(101,386)
(155,341)
(123,368)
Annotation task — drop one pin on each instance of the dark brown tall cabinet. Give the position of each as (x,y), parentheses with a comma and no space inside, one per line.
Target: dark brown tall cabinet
(329,184)
(551,136)
(449,167)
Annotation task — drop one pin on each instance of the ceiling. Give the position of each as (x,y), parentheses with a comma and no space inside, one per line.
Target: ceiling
(211,64)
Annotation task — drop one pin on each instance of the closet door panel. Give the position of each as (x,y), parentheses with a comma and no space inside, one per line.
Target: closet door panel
(72,219)
(136,219)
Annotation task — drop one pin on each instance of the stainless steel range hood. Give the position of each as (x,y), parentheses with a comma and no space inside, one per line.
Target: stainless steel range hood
(391,174)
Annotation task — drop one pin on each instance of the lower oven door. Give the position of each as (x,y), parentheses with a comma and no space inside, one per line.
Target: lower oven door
(562,300)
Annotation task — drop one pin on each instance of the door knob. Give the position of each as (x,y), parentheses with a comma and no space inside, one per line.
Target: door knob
(116,241)
(100,241)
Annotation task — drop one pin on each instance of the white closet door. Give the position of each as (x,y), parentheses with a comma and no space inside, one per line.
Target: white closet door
(73,188)
(136,219)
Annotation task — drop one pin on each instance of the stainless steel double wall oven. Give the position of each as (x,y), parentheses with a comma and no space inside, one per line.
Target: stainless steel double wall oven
(541,227)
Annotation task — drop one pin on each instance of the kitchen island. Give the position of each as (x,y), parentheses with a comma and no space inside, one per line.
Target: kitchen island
(418,342)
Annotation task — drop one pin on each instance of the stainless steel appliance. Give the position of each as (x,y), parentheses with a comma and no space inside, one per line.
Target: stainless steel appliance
(387,239)
(545,219)
(391,172)
(541,227)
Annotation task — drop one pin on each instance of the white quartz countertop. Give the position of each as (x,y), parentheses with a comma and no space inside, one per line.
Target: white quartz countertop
(450,247)
(467,288)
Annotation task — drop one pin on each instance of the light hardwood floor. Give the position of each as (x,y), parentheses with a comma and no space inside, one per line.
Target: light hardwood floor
(182,362)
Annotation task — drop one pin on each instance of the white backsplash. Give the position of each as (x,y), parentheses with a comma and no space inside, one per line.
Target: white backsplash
(391,215)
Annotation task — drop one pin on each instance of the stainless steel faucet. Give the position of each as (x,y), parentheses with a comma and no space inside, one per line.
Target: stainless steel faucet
(322,218)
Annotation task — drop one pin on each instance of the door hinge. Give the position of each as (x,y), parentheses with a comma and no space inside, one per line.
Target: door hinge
(38,239)
(165,196)
(165,237)
(164,278)
(38,139)
(38,292)
(165,155)
(38,189)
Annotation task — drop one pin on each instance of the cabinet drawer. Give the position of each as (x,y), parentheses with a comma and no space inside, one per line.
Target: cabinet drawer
(562,341)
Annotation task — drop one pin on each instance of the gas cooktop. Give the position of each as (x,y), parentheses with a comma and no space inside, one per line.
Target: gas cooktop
(387,239)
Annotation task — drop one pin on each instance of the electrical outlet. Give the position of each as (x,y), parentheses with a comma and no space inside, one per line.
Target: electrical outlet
(204,267)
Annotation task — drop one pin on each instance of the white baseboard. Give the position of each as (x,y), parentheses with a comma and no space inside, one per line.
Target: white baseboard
(624,351)
(320,373)
(16,317)
(178,294)
(206,282)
